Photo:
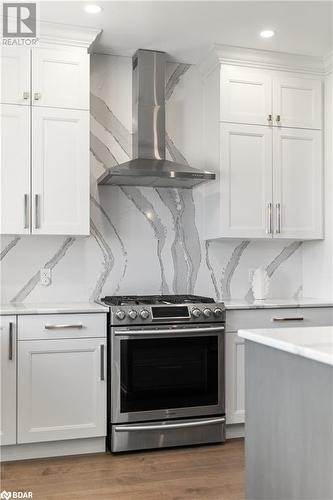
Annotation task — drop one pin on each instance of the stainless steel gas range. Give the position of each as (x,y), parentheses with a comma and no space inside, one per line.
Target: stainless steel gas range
(165,371)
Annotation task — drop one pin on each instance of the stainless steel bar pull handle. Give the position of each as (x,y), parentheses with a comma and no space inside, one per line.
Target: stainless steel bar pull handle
(26,211)
(170,331)
(11,341)
(278,218)
(37,96)
(292,318)
(26,95)
(102,362)
(37,211)
(269,218)
(179,425)
(63,327)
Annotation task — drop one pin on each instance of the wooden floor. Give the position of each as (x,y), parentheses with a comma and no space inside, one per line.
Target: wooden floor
(209,472)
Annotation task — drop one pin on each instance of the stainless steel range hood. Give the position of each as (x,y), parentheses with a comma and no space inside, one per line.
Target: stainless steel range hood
(150,168)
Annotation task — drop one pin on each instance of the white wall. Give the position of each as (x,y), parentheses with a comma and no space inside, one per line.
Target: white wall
(318,256)
(143,240)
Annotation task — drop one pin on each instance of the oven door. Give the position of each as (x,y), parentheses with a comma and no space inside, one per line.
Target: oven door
(163,373)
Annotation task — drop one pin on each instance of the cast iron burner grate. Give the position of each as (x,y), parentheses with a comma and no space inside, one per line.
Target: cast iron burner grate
(118,300)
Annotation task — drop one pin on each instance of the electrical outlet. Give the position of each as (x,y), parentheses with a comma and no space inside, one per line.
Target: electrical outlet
(45,276)
(251,272)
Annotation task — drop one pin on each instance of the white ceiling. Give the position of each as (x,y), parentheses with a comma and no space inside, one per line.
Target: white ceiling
(185,30)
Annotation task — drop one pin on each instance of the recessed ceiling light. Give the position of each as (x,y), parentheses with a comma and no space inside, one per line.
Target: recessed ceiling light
(92,8)
(267,33)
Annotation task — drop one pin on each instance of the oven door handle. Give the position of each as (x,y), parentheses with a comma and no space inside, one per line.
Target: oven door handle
(170,331)
(158,427)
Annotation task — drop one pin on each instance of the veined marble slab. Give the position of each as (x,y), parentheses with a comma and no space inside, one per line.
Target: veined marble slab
(276,303)
(314,343)
(70,307)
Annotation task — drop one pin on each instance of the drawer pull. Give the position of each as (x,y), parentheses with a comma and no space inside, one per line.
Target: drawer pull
(294,318)
(62,327)
(11,341)
(102,361)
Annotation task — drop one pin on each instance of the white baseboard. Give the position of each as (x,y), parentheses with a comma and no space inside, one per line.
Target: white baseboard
(52,449)
(235,431)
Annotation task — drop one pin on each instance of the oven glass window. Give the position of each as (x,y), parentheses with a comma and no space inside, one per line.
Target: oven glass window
(168,373)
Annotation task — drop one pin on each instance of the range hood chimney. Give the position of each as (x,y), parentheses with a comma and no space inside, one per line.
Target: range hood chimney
(149,166)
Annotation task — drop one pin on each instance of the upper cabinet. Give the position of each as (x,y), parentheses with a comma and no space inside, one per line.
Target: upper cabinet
(262,97)
(246,95)
(45,135)
(297,102)
(60,78)
(15,75)
(52,76)
(263,140)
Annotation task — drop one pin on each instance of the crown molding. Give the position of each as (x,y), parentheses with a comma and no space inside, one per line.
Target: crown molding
(65,34)
(265,59)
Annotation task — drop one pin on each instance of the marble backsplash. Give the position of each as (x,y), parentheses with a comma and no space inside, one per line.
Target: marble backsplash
(143,240)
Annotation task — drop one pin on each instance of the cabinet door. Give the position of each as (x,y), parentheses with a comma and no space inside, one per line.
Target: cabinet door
(246,95)
(298,197)
(246,180)
(61,389)
(235,379)
(60,78)
(8,380)
(298,102)
(15,75)
(15,169)
(60,175)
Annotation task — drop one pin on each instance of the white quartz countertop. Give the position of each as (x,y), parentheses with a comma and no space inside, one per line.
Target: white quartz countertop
(69,307)
(276,303)
(314,343)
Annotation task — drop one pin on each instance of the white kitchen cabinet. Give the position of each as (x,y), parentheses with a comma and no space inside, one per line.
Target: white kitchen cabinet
(263,142)
(60,179)
(15,75)
(54,76)
(60,78)
(297,183)
(235,379)
(8,357)
(234,345)
(15,171)
(246,95)
(263,97)
(45,190)
(245,180)
(61,389)
(297,102)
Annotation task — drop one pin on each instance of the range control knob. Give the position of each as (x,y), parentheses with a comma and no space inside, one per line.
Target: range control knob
(132,314)
(120,314)
(196,313)
(144,314)
(207,312)
(218,312)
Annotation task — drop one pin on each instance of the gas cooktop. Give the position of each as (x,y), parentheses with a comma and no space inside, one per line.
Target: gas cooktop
(145,309)
(123,300)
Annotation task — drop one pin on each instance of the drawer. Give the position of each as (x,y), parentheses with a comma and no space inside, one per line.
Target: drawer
(60,326)
(278,318)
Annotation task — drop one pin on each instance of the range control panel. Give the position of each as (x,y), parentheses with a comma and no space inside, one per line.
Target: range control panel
(168,313)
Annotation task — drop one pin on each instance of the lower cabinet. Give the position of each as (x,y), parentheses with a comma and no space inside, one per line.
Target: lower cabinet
(8,357)
(235,379)
(61,389)
(234,345)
